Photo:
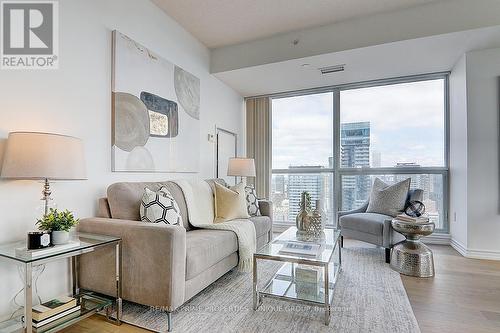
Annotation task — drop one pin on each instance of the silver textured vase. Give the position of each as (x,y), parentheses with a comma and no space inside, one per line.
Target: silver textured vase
(316,220)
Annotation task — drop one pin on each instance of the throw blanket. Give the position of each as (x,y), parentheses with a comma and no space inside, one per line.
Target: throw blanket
(200,206)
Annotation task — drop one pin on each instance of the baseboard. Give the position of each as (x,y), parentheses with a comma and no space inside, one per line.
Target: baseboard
(439,239)
(459,247)
(474,253)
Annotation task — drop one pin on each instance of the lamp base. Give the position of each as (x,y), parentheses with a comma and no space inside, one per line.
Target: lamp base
(46,196)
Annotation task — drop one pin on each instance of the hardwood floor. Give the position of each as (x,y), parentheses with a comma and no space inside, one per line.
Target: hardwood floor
(464,296)
(98,324)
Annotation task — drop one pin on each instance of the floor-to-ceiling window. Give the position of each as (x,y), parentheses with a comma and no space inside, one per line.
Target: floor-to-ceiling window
(302,153)
(334,141)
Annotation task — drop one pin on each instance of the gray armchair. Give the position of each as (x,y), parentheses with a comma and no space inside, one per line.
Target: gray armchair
(373,228)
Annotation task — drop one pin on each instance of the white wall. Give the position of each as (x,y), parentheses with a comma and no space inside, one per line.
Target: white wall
(76,100)
(458,153)
(483,225)
(474,154)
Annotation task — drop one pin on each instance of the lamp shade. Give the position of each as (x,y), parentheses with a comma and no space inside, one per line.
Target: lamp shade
(243,167)
(33,155)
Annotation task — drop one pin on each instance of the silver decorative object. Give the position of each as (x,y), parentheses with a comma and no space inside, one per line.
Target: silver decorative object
(303,217)
(315,226)
(412,257)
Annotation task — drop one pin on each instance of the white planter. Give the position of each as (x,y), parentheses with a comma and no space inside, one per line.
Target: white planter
(60,237)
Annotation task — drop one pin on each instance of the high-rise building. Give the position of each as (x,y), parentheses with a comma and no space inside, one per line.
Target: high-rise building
(298,183)
(355,153)
(279,197)
(376,159)
(279,184)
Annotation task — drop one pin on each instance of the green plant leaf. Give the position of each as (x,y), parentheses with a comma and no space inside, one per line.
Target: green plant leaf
(57,221)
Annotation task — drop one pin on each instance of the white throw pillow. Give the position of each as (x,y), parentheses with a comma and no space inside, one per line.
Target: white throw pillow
(388,199)
(160,207)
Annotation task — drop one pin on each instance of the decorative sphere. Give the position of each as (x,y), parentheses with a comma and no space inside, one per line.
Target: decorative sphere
(415,208)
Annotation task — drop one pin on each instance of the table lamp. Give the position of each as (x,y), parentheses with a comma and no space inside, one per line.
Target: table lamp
(44,156)
(241,167)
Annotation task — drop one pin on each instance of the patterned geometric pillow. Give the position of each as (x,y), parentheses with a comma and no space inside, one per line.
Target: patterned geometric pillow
(160,207)
(252,201)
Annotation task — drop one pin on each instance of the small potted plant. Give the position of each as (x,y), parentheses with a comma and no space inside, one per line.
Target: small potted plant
(59,223)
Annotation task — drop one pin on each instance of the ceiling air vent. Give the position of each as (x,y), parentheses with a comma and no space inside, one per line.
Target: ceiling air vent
(331,69)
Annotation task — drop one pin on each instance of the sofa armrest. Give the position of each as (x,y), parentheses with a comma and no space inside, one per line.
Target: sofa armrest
(361,209)
(266,208)
(153,262)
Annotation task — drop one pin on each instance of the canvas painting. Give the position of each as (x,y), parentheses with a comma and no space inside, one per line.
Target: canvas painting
(156,111)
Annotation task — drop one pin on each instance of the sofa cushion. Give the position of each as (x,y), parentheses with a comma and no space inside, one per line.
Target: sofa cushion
(205,248)
(262,224)
(124,199)
(371,223)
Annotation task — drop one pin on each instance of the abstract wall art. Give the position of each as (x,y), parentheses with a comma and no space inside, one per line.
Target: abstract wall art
(155,112)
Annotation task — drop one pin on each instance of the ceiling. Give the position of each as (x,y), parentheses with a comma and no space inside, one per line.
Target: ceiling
(409,57)
(219,23)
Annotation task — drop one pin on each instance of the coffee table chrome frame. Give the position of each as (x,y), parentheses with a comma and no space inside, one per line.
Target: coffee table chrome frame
(258,295)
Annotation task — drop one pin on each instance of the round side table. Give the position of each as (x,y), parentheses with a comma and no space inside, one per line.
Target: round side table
(412,257)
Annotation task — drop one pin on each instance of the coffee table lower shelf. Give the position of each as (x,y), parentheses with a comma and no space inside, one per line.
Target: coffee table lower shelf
(285,286)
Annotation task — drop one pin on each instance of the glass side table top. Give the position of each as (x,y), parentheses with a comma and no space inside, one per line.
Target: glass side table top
(327,243)
(87,241)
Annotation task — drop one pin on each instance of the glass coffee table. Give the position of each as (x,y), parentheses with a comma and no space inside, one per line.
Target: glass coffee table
(287,285)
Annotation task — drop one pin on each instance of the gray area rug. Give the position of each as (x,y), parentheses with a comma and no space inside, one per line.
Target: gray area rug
(369,297)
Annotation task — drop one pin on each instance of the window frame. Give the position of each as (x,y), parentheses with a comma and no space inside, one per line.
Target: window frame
(337,171)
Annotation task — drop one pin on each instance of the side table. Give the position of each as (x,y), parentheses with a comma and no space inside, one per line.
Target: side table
(90,303)
(412,257)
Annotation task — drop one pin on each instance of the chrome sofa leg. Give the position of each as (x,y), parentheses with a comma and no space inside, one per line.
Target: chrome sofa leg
(169,320)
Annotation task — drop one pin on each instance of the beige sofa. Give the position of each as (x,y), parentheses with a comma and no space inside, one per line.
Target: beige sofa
(163,265)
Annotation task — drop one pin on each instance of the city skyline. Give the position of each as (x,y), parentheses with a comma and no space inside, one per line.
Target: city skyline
(407,122)
(354,152)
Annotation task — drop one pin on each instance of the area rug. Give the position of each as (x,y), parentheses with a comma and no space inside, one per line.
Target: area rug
(369,297)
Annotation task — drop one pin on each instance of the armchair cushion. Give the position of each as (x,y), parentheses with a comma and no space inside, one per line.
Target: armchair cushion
(371,223)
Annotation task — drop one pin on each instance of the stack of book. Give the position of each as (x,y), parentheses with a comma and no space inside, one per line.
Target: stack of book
(406,218)
(308,280)
(300,248)
(60,308)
